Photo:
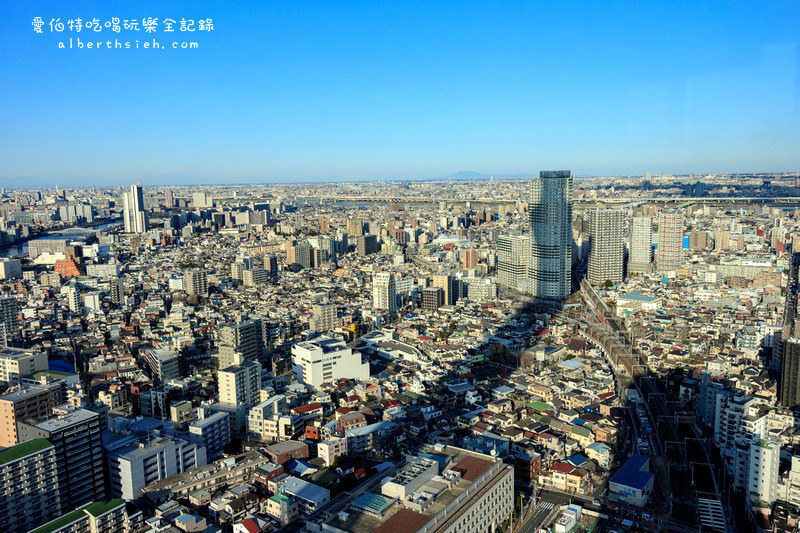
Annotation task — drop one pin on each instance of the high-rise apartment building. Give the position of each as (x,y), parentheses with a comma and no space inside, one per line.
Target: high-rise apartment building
(384,292)
(169,199)
(449,287)
(790,372)
(324,360)
(762,481)
(10,268)
(513,254)
(355,227)
(29,491)
(550,212)
(95,517)
(470,258)
(134,215)
(641,251)
(211,431)
(138,460)
(367,244)
(77,439)
(241,341)
(202,200)
(669,253)
(325,318)
(607,255)
(432,298)
(239,384)
(195,282)
(9,320)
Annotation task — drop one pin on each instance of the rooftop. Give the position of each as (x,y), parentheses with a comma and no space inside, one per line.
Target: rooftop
(23,450)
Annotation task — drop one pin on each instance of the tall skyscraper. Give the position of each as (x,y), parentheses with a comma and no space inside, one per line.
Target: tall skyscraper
(550,211)
(669,253)
(169,199)
(134,215)
(607,233)
(384,292)
(641,245)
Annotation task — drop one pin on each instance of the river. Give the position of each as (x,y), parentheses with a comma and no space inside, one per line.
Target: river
(22,248)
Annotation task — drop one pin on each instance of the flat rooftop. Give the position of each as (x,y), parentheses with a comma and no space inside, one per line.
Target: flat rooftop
(396,518)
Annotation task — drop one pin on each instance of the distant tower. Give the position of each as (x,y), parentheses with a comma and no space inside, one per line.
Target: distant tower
(550,211)
(606,229)
(133,213)
(641,245)
(669,254)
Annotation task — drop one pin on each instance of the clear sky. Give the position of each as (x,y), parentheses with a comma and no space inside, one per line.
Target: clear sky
(300,90)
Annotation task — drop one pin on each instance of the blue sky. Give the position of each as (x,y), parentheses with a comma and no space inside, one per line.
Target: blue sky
(304,91)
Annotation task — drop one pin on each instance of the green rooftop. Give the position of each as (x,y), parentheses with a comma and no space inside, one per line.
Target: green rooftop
(541,406)
(280,497)
(99,508)
(95,509)
(60,522)
(23,449)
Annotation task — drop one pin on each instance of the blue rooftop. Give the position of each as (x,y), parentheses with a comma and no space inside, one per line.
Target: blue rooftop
(633,473)
(575,362)
(576,459)
(637,296)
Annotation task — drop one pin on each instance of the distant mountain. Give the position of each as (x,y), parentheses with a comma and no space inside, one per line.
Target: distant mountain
(472,175)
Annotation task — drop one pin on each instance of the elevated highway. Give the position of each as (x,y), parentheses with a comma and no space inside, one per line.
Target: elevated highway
(692,494)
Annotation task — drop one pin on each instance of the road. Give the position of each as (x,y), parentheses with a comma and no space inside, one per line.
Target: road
(546,509)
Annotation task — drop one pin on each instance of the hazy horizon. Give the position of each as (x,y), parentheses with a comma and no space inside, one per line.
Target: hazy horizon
(355,91)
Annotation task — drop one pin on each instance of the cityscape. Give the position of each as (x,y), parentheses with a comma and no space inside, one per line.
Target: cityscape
(400,266)
(544,354)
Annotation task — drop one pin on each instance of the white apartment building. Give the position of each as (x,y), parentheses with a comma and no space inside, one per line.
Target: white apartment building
(765,458)
(384,292)
(324,360)
(260,417)
(135,462)
(239,384)
(332,449)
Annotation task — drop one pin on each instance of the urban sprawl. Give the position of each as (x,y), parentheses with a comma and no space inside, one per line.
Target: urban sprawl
(544,354)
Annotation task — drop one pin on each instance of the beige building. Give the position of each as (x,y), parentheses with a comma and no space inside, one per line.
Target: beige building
(16,363)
